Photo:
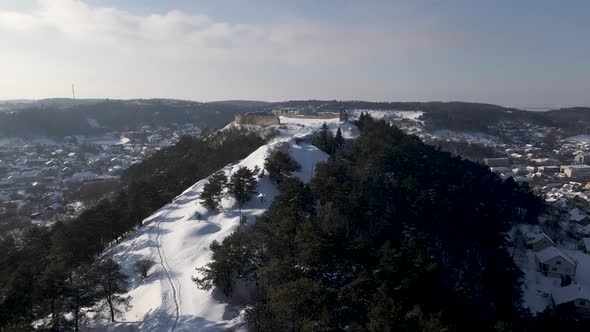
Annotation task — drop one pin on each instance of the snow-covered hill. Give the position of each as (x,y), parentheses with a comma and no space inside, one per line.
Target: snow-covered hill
(178,236)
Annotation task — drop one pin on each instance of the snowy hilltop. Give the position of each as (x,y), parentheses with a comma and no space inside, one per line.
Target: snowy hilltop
(177,237)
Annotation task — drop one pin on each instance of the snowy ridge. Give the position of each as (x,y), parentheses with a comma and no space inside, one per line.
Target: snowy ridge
(178,237)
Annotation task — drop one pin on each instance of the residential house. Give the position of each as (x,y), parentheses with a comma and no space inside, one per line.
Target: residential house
(549,170)
(575,295)
(577,215)
(538,241)
(555,263)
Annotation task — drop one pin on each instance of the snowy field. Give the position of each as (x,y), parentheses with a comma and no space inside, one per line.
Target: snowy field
(178,236)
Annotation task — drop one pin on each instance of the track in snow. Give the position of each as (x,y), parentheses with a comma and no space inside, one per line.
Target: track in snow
(164,264)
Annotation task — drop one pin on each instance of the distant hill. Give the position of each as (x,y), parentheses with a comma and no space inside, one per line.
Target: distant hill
(575,120)
(241,103)
(460,116)
(59,117)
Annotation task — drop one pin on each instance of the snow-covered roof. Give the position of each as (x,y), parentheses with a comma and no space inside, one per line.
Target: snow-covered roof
(549,253)
(536,237)
(576,166)
(499,169)
(570,293)
(586,229)
(577,215)
(55,206)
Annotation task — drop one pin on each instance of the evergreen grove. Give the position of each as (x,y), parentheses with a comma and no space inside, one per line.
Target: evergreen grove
(390,235)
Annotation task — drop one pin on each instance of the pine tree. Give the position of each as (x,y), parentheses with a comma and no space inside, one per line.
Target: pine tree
(324,140)
(242,185)
(52,285)
(298,304)
(81,291)
(280,165)
(112,282)
(213,190)
(338,140)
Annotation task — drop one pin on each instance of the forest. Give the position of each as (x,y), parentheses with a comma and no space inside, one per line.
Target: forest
(390,235)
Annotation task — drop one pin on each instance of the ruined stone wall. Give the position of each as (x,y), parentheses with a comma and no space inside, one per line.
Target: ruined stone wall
(342,115)
(328,115)
(259,119)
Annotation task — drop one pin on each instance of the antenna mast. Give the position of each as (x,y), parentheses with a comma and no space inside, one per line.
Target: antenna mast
(73,92)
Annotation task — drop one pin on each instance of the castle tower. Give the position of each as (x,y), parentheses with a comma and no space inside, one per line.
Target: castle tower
(343,115)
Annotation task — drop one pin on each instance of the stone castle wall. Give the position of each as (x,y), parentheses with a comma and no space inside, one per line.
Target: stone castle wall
(342,115)
(259,119)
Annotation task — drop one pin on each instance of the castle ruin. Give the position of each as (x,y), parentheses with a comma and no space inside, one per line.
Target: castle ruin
(259,119)
(342,115)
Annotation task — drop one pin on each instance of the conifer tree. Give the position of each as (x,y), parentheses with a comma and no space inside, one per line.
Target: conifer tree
(242,185)
(52,288)
(81,292)
(324,139)
(338,140)
(213,190)
(280,165)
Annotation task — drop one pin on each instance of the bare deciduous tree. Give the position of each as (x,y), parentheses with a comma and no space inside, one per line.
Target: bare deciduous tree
(143,266)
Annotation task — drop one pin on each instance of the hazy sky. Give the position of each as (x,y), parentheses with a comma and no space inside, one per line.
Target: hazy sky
(525,52)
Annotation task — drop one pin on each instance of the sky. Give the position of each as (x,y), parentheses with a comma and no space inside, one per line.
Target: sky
(517,53)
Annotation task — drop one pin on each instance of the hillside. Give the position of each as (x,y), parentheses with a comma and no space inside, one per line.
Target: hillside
(382,232)
(389,234)
(179,236)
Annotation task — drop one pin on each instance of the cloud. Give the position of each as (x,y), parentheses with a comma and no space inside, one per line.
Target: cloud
(19,22)
(177,34)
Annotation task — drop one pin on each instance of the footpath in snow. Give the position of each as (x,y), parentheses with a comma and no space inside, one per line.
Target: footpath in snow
(178,236)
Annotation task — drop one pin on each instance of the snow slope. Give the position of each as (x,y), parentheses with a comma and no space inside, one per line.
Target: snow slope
(178,236)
